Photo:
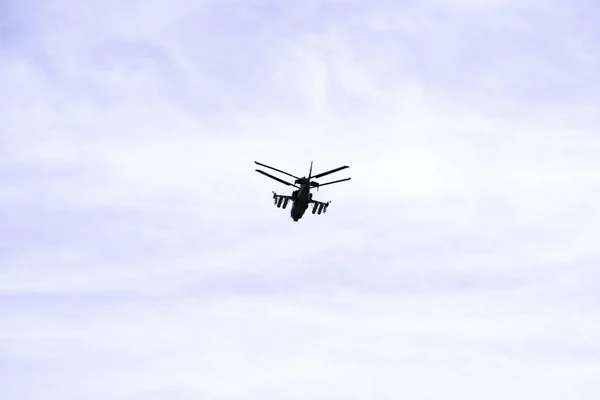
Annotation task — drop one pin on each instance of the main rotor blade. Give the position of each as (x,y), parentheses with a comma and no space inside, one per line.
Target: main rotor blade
(275,169)
(329,183)
(330,172)
(276,178)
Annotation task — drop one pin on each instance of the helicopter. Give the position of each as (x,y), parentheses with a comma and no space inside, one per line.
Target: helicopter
(302,197)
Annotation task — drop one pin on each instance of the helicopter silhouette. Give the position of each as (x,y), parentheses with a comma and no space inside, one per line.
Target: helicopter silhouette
(301,198)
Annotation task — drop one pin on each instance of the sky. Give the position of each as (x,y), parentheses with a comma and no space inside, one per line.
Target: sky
(141,257)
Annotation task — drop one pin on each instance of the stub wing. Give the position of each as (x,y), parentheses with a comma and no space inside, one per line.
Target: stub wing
(281,200)
(319,207)
(281,196)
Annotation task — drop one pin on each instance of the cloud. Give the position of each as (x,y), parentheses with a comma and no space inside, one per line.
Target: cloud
(142,257)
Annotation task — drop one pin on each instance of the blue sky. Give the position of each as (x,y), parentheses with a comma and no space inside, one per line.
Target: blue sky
(141,256)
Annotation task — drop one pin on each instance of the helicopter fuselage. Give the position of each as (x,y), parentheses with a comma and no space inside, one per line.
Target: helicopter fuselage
(301,198)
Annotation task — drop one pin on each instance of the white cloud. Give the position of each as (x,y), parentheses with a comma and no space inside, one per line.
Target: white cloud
(142,257)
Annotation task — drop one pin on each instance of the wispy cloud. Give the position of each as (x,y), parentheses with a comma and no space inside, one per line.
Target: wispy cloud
(142,257)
